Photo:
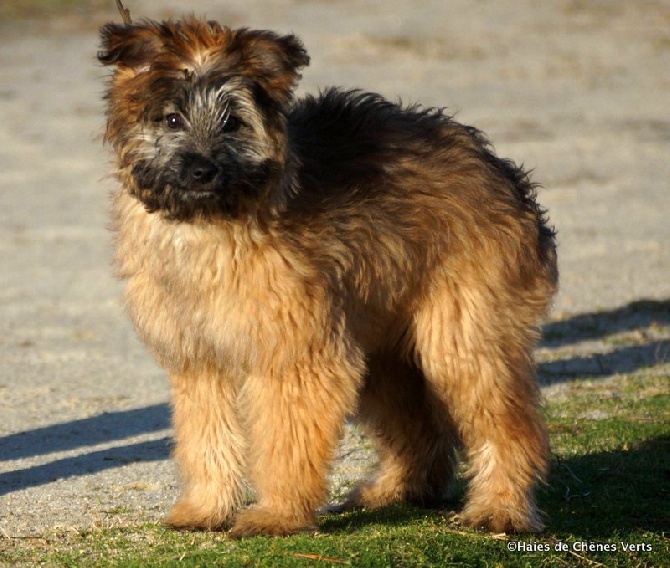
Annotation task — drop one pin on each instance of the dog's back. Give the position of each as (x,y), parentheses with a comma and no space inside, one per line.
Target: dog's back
(370,166)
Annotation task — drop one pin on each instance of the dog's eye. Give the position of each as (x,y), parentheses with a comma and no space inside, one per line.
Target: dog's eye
(231,124)
(174,121)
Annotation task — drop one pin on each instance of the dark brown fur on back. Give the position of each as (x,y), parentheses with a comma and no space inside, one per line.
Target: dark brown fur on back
(292,262)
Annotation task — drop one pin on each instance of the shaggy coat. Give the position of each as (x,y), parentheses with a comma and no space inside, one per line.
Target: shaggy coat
(294,262)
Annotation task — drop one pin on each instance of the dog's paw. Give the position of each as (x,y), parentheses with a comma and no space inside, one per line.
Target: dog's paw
(259,521)
(372,495)
(186,515)
(502,520)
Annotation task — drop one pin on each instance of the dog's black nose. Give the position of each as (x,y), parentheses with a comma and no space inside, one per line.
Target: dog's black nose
(198,169)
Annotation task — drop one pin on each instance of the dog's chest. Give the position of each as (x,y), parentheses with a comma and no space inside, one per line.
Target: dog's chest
(202,293)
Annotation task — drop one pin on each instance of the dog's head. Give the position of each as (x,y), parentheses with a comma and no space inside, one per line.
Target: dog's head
(197,113)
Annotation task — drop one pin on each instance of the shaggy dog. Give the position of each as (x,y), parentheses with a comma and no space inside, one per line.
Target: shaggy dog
(294,262)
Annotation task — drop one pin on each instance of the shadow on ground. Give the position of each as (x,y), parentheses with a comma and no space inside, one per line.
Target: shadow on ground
(601,494)
(637,315)
(82,434)
(640,346)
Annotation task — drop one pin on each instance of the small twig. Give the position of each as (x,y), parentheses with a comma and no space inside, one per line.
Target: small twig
(125,13)
(568,496)
(566,468)
(587,560)
(319,558)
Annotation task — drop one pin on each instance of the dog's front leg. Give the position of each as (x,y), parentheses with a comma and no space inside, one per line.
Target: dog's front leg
(209,450)
(295,420)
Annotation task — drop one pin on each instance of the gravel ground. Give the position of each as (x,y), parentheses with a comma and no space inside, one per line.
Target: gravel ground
(576,90)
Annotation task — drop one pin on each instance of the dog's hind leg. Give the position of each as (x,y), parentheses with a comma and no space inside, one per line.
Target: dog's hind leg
(412,433)
(475,349)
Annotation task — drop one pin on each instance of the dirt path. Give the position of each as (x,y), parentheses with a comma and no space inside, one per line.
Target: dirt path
(575,90)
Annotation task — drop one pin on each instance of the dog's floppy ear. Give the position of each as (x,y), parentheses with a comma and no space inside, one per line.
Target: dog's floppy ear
(129,45)
(271,59)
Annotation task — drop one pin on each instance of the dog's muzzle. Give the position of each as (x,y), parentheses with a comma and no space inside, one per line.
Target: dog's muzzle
(198,172)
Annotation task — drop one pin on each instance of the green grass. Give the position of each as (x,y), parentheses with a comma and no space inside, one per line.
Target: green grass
(608,486)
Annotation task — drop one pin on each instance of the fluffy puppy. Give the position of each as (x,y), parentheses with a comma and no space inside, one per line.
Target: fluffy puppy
(292,262)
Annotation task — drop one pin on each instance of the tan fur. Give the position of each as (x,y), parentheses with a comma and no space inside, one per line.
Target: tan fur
(414,308)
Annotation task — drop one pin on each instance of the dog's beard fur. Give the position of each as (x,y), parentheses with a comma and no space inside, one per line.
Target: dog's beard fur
(202,131)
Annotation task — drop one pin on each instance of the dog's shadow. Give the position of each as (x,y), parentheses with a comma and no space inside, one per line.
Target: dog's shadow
(604,494)
(80,440)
